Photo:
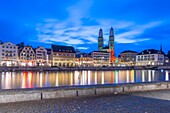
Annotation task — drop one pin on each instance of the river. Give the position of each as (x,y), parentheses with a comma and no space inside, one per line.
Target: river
(33,79)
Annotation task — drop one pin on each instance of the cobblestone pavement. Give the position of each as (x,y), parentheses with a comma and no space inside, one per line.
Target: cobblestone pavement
(140,102)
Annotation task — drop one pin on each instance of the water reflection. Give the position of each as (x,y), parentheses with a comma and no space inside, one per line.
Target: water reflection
(29,79)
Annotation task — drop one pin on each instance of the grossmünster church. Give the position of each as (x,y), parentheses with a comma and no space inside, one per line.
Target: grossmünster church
(101,41)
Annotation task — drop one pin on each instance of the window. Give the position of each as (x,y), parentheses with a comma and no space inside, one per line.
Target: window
(14,47)
(6,46)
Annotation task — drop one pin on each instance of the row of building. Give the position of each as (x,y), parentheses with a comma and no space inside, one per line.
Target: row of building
(67,56)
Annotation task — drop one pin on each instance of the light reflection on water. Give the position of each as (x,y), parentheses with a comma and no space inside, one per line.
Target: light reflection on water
(30,79)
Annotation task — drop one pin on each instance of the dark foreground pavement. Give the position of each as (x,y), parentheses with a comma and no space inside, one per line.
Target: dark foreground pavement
(140,102)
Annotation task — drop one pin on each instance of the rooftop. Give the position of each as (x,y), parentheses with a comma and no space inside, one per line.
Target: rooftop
(60,48)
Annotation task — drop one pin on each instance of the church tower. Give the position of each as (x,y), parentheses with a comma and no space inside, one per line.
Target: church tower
(111,39)
(100,40)
(111,46)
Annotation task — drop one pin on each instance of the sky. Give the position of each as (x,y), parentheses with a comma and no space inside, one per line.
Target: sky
(138,24)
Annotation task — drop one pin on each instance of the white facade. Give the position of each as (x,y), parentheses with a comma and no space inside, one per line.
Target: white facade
(8,54)
(27,56)
(149,59)
(100,58)
(41,56)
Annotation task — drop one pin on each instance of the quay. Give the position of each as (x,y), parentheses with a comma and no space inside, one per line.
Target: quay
(16,95)
(55,68)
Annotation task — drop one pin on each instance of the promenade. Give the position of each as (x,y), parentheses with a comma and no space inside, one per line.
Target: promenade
(137,102)
(55,68)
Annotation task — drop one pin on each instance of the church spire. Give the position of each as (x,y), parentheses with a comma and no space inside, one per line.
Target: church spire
(161,47)
(100,33)
(100,40)
(111,32)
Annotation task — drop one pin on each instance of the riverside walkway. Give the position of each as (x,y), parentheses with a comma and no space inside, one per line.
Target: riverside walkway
(137,102)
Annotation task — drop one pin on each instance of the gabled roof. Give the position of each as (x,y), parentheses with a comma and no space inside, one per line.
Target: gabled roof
(59,48)
(151,51)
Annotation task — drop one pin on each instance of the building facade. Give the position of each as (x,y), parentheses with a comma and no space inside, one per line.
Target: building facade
(128,57)
(150,57)
(100,58)
(41,56)
(27,56)
(49,57)
(62,56)
(83,59)
(8,54)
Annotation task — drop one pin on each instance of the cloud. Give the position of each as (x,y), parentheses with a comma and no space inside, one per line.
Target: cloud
(81,29)
(83,48)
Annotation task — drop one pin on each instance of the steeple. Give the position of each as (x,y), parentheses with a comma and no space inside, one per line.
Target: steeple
(111,39)
(111,32)
(161,47)
(100,40)
(100,33)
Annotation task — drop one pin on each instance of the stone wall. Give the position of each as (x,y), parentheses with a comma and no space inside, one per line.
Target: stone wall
(78,92)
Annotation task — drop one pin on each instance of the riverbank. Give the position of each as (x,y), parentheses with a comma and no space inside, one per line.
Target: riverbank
(77,91)
(81,68)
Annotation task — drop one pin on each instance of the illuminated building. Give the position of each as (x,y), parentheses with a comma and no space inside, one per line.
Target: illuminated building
(83,59)
(41,56)
(110,47)
(150,57)
(8,54)
(49,63)
(100,58)
(128,57)
(27,56)
(62,55)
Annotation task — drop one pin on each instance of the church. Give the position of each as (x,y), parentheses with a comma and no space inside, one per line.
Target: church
(110,47)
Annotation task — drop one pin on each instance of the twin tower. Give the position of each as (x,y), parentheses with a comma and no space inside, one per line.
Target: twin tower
(101,43)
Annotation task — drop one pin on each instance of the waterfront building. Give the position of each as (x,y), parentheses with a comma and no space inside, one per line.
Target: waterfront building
(83,59)
(49,62)
(150,57)
(62,55)
(100,40)
(128,57)
(8,54)
(27,56)
(100,58)
(41,56)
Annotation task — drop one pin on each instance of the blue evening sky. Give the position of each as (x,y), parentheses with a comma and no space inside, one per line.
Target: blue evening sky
(138,24)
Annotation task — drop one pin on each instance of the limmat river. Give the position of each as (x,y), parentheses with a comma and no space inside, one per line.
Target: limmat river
(32,79)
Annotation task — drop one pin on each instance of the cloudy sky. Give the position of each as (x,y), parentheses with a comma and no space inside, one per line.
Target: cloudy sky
(138,24)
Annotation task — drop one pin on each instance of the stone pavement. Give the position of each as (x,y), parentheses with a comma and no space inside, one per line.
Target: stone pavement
(138,102)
